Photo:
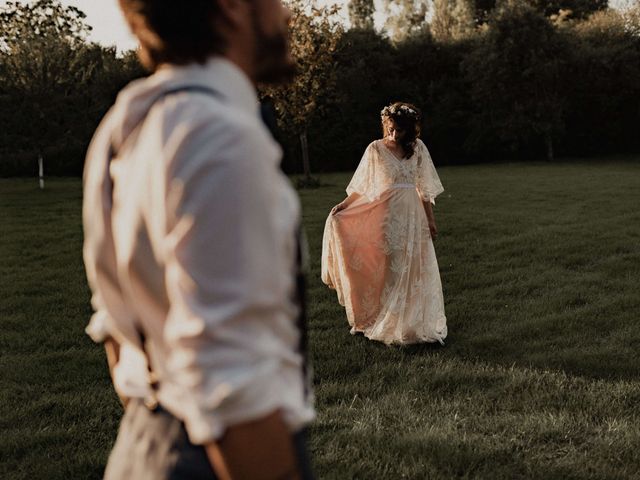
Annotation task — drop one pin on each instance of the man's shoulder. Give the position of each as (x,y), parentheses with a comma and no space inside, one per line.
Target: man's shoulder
(210,130)
(215,121)
(199,109)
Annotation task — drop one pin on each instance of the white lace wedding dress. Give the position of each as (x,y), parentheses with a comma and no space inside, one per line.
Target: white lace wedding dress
(378,253)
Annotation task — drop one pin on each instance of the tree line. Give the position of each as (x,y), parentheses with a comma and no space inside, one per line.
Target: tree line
(495,79)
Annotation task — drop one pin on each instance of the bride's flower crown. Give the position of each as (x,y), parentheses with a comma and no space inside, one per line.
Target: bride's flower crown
(400,110)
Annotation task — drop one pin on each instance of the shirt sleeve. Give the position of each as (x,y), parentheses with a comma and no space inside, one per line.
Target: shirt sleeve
(364,180)
(428,182)
(98,247)
(230,328)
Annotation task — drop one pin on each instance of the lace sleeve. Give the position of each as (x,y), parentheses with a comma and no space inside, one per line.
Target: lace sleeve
(428,182)
(366,177)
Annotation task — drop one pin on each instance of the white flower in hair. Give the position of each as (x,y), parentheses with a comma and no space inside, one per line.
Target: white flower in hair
(399,109)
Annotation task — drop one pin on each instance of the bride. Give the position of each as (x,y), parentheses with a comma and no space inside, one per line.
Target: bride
(377,250)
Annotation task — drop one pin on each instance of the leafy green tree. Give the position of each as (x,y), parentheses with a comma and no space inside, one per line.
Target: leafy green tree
(631,15)
(483,9)
(39,45)
(54,86)
(405,18)
(313,38)
(452,19)
(361,13)
(602,85)
(366,79)
(515,81)
(45,20)
(576,9)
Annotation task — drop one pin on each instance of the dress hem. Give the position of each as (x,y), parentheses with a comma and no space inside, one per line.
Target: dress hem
(439,339)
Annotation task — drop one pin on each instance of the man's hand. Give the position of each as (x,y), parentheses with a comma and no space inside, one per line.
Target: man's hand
(112,349)
(261,449)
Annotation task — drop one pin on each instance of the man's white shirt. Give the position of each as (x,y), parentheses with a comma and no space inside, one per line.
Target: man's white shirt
(198,249)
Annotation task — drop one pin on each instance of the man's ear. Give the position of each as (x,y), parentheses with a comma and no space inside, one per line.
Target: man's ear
(235,12)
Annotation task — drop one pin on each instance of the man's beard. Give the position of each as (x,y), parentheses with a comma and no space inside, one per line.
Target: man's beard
(273,64)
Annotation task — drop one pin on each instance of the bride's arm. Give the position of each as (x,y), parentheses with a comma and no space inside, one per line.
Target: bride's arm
(431,219)
(345,203)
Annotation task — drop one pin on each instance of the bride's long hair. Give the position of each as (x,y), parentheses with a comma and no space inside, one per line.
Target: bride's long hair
(407,117)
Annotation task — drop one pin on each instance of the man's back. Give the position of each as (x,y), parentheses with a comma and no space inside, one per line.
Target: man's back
(191,252)
(203,233)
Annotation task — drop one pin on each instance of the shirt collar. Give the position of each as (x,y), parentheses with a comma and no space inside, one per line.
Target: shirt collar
(219,74)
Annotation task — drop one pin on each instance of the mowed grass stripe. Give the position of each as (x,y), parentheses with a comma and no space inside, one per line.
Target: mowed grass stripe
(539,378)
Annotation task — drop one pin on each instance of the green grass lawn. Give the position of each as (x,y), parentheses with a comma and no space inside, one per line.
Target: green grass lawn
(540,377)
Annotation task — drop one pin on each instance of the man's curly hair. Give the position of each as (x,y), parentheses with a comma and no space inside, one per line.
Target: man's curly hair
(173,32)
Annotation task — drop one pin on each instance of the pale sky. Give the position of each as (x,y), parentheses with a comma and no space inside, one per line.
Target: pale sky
(109,27)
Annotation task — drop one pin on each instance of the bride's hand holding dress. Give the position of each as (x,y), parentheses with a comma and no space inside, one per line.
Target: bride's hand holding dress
(345,203)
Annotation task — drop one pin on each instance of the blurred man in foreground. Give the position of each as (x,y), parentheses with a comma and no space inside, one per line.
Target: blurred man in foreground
(192,254)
